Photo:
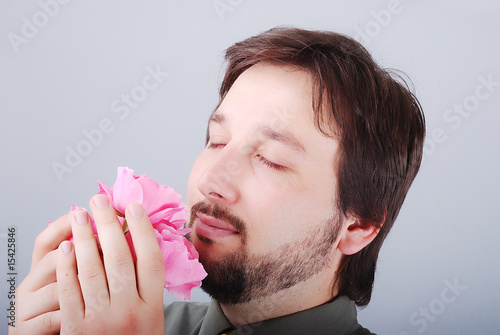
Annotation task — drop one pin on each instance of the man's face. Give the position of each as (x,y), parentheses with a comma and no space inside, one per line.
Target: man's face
(262,192)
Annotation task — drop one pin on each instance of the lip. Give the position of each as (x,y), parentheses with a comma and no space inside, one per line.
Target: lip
(213,228)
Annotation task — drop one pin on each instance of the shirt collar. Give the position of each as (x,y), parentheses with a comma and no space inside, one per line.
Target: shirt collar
(339,315)
(215,321)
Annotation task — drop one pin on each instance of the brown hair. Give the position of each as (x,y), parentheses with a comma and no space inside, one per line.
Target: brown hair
(376,119)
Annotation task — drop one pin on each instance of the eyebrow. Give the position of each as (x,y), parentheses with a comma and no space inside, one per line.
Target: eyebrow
(285,137)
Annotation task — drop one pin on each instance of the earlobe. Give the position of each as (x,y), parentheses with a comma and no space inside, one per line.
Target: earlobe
(356,236)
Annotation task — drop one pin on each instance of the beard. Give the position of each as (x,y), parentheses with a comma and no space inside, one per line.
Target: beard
(240,276)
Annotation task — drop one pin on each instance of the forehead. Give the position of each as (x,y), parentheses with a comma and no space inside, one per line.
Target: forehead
(274,96)
(274,104)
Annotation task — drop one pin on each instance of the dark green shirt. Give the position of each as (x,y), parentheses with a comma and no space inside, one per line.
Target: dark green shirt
(338,317)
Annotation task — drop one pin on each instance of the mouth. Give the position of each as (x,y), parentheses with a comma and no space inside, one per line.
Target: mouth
(214,229)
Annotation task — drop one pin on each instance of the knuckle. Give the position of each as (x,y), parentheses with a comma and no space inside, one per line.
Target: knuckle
(71,327)
(91,272)
(47,322)
(155,264)
(119,280)
(45,295)
(86,240)
(69,290)
(121,257)
(107,220)
(52,294)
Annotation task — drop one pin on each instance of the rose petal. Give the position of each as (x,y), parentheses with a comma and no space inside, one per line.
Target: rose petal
(183,271)
(184,231)
(183,214)
(126,190)
(104,189)
(166,215)
(157,198)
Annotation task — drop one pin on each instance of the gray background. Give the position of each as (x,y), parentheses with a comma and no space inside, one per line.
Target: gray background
(62,80)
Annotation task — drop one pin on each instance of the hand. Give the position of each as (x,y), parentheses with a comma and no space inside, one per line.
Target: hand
(37,301)
(111,296)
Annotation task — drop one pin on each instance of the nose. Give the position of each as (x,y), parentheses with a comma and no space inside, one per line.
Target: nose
(218,182)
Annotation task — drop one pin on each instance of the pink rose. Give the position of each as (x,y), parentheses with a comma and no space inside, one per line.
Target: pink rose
(167,213)
(159,201)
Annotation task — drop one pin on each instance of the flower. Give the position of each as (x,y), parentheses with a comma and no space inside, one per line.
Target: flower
(167,214)
(159,201)
(181,262)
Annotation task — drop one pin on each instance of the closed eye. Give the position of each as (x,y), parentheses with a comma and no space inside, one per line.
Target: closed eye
(270,164)
(216,145)
(262,159)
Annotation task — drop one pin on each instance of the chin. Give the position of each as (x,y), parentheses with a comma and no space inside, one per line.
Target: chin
(209,251)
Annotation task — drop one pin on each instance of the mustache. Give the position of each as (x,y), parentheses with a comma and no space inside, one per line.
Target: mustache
(219,212)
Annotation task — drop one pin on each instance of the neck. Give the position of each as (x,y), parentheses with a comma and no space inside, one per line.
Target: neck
(313,292)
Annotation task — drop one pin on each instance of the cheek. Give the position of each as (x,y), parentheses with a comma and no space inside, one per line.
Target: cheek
(285,213)
(273,219)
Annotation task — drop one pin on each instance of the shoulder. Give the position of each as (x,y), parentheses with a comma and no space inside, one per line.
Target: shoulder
(187,307)
(183,316)
(362,331)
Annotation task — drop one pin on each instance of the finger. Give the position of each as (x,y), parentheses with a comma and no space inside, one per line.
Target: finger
(50,238)
(42,274)
(40,302)
(69,291)
(150,267)
(118,263)
(90,269)
(48,323)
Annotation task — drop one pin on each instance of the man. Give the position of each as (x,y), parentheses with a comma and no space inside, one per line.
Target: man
(309,156)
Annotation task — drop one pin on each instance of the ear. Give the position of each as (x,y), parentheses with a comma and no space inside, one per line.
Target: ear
(356,236)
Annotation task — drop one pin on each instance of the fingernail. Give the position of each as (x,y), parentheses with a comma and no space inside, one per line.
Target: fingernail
(81,217)
(66,247)
(136,210)
(101,201)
